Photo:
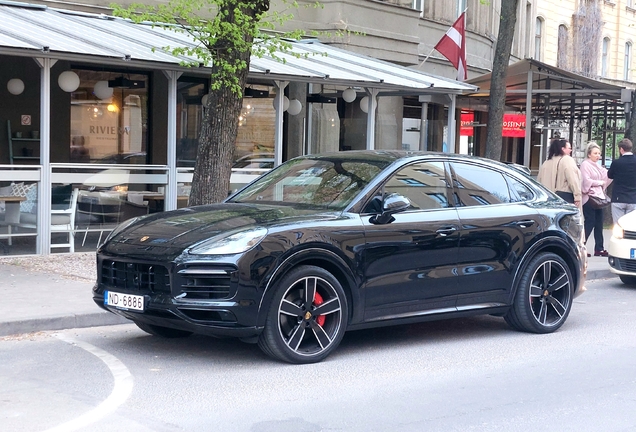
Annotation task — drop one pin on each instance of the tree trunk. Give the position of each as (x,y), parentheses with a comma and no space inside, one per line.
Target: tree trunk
(497,102)
(213,166)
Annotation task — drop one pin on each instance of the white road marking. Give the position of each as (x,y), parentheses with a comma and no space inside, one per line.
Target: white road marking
(121,390)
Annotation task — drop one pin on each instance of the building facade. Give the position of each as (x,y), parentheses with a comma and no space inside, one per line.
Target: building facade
(125,134)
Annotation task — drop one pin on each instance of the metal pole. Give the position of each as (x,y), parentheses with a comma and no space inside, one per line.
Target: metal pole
(171,188)
(371,108)
(528,139)
(424,127)
(278,135)
(43,244)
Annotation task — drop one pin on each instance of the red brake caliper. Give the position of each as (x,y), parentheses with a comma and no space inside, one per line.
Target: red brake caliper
(320,319)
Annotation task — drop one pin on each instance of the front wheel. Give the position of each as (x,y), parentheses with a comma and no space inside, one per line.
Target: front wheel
(628,280)
(307,317)
(544,295)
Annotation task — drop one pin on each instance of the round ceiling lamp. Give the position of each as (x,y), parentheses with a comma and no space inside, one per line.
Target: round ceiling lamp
(295,107)
(102,91)
(68,81)
(349,95)
(285,103)
(364,104)
(15,86)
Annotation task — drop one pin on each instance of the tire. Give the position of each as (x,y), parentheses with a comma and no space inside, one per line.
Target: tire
(628,280)
(307,317)
(164,332)
(543,299)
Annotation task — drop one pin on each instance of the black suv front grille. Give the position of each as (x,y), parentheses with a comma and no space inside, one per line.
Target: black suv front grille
(135,277)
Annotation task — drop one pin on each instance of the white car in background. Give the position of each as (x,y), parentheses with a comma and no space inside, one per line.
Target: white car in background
(622,249)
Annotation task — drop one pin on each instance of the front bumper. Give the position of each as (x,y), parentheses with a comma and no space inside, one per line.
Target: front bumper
(218,319)
(209,298)
(621,259)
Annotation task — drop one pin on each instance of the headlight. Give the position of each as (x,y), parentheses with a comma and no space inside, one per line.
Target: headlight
(617,231)
(231,243)
(119,228)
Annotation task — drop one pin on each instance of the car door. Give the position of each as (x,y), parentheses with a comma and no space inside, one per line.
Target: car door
(495,222)
(409,264)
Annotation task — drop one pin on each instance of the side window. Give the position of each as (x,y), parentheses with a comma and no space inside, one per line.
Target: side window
(424,184)
(518,191)
(476,185)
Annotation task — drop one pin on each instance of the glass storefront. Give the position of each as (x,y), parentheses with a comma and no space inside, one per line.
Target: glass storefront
(109,118)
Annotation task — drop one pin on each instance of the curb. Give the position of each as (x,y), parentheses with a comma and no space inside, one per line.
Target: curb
(103,318)
(61,323)
(600,274)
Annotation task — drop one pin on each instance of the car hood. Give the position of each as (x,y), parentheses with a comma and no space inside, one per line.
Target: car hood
(186,227)
(628,221)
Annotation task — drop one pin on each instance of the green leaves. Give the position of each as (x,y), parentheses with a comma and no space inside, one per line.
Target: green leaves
(222,32)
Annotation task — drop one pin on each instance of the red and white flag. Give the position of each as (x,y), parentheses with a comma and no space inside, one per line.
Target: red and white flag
(453,46)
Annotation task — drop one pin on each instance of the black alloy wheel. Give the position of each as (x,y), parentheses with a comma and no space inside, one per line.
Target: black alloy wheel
(307,318)
(165,332)
(544,295)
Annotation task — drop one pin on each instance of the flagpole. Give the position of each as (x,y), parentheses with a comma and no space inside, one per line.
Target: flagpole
(426,58)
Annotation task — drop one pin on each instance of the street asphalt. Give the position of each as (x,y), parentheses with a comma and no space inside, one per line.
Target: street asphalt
(33,301)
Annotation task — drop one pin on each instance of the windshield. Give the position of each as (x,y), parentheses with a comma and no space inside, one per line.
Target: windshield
(316,183)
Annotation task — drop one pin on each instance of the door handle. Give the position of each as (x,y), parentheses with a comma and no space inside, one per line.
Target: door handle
(446,231)
(525,223)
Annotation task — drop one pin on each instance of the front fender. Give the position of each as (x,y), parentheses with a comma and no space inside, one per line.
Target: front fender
(321,257)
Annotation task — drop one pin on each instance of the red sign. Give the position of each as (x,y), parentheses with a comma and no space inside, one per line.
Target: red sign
(514,125)
(466,127)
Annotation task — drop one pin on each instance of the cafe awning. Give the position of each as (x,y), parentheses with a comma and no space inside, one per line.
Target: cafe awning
(40,31)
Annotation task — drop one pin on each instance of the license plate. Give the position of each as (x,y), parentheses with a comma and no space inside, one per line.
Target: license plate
(632,253)
(124,301)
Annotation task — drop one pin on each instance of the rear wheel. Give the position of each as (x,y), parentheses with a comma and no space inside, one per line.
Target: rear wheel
(544,295)
(165,332)
(628,280)
(307,317)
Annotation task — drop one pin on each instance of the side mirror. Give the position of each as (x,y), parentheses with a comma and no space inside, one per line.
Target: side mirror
(391,204)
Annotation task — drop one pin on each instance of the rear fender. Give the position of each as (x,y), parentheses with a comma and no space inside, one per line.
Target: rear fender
(555,244)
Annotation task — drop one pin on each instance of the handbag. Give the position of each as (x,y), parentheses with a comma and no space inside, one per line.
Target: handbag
(598,203)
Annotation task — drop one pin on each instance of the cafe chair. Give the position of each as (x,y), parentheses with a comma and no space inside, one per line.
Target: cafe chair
(62,221)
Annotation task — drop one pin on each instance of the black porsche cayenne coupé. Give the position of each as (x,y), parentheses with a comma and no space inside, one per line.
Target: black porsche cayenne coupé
(333,242)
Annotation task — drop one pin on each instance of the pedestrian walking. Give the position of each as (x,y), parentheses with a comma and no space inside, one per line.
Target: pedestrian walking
(594,182)
(623,172)
(559,172)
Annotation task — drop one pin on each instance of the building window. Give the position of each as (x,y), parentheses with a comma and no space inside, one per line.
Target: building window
(605,57)
(562,49)
(628,61)
(418,5)
(461,6)
(538,33)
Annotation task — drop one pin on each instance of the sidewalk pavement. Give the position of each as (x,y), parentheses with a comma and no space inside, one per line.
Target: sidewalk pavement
(32,301)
